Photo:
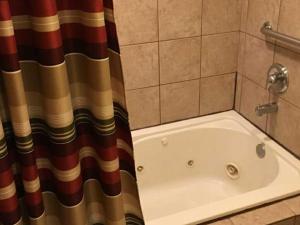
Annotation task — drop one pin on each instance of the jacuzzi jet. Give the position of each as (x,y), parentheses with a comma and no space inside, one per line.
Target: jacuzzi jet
(232,171)
(140,168)
(190,163)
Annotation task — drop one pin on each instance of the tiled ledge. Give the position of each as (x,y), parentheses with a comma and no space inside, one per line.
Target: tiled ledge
(286,212)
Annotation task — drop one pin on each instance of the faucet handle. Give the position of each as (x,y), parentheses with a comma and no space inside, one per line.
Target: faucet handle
(277,81)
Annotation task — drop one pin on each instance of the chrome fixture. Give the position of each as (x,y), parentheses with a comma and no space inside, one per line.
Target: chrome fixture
(277,83)
(261,150)
(278,79)
(267,108)
(268,31)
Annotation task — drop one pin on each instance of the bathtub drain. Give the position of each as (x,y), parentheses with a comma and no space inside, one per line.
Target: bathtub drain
(232,171)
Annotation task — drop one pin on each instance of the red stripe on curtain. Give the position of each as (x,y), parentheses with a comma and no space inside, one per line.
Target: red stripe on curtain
(47,40)
(92,5)
(5,164)
(19,7)
(43,8)
(9,204)
(94,34)
(9,62)
(71,30)
(34,199)
(4,10)
(8,45)
(6,178)
(108,153)
(84,5)
(66,162)
(10,217)
(24,37)
(70,187)
(108,4)
(111,189)
(29,173)
(112,178)
(68,4)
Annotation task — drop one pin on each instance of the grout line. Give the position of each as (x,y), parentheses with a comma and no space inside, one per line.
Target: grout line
(180,38)
(226,32)
(253,81)
(201,57)
(279,14)
(178,82)
(241,92)
(175,82)
(235,90)
(290,103)
(216,75)
(159,75)
(247,16)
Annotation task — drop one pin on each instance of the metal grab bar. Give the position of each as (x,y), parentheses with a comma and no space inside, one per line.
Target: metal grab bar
(268,31)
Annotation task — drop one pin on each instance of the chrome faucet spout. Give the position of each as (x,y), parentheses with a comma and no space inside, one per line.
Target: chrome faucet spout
(267,108)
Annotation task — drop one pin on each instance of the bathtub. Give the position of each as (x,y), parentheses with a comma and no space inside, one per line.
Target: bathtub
(196,170)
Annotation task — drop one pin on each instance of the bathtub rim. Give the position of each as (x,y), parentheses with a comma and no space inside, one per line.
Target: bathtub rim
(210,209)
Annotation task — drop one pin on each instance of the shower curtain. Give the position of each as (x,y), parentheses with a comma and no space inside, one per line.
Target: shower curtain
(65,146)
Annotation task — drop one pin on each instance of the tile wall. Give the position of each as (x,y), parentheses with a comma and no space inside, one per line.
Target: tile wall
(180,60)
(179,57)
(256,55)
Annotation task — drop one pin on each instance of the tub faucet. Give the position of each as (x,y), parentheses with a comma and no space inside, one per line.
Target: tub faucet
(267,108)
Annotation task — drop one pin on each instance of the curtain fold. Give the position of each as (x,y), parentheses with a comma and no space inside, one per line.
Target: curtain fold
(65,145)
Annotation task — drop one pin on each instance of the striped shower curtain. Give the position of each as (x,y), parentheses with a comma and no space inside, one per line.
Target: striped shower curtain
(65,145)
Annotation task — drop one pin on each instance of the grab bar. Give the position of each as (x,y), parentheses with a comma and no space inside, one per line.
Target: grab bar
(268,31)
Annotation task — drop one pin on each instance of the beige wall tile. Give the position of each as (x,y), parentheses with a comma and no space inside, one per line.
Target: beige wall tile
(140,65)
(219,54)
(238,92)
(289,14)
(178,19)
(244,14)
(220,16)
(179,100)
(260,11)
(136,21)
(292,61)
(258,59)
(146,99)
(294,204)
(252,96)
(284,126)
(217,93)
(263,216)
(179,60)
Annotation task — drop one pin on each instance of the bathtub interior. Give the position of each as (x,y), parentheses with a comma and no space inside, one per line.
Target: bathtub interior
(188,167)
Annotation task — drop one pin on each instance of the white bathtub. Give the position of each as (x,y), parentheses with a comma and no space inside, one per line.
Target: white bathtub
(183,169)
